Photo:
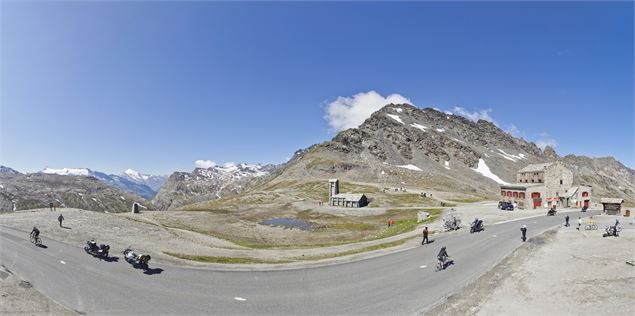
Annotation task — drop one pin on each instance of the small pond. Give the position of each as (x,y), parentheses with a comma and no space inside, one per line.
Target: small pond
(287,222)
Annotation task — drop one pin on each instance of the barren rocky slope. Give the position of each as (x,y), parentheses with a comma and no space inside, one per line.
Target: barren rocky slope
(405,145)
(183,188)
(19,192)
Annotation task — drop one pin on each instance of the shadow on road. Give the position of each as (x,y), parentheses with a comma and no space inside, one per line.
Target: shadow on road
(42,246)
(153,271)
(429,242)
(65,227)
(111,259)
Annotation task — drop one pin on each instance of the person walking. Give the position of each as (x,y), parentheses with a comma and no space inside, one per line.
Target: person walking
(579,223)
(60,219)
(51,206)
(425,236)
(523,231)
(566,221)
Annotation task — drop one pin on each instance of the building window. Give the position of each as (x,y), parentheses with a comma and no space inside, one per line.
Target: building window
(532,180)
(502,193)
(585,194)
(521,195)
(560,181)
(535,195)
(516,194)
(540,180)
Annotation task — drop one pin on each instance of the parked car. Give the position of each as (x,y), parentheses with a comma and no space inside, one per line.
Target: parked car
(506,206)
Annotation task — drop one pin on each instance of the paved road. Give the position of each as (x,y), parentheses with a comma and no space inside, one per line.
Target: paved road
(394,284)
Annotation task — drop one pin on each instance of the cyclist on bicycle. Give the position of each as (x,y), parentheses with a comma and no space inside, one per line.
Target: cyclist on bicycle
(35,233)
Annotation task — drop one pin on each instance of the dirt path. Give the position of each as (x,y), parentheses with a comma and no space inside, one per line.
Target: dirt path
(563,272)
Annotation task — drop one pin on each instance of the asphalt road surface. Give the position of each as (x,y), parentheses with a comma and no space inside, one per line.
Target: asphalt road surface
(400,283)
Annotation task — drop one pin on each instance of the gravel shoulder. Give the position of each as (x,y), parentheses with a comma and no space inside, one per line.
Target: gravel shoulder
(561,272)
(18,297)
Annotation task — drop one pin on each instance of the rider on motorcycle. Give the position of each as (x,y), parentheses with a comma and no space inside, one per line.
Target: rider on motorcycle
(92,245)
(35,232)
(443,255)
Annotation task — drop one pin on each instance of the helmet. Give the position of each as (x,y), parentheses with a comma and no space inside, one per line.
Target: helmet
(524,226)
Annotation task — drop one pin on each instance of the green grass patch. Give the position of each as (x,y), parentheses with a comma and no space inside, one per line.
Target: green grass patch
(224,260)
(355,251)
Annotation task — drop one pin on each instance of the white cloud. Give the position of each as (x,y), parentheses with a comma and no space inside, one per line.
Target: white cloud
(204,164)
(545,140)
(514,131)
(474,116)
(349,112)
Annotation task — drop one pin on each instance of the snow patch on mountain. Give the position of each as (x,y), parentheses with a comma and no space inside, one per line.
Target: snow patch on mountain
(396,118)
(484,170)
(410,167)
(419,126)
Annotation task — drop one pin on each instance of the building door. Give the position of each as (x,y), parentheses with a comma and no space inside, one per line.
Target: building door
(586,203)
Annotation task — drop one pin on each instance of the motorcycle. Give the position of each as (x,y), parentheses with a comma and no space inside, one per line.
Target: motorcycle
(137,261)
(442,264)
(612,231)
(551,212)
(94,250)
(476,226)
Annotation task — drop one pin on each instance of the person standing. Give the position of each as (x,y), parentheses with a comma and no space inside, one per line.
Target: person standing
(425,236)
(51,206)
(566,221)
(579,223)
(523,231)
(60,219)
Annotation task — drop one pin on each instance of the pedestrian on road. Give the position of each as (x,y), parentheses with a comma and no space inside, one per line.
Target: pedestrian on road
(60,219)
(51,205)
(579,223)
(523,231)
(566,221)
(425,236)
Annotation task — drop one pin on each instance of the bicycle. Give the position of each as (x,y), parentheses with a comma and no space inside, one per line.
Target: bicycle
(591,227)
(36,240)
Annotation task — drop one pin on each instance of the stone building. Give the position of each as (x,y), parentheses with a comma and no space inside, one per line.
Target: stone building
(546,185)
(612,206)
(345,199)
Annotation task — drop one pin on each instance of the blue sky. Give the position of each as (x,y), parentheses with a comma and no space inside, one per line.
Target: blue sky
(156,86)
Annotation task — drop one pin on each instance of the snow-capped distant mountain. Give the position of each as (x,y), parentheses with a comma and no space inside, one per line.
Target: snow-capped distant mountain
(131,181)
(6,171)
(204,184)
(153,181)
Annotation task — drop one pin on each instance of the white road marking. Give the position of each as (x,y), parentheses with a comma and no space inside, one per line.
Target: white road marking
(240,299)
(535,222)
(493,235)
(423,267)
(62,262)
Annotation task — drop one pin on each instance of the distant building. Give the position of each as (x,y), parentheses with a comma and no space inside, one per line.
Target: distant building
(612,206)
(345,199)
(546,185)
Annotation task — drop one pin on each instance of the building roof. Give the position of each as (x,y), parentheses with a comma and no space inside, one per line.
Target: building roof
(571,192)
(516,186)
(349,196)
(611,200)
(535,167)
